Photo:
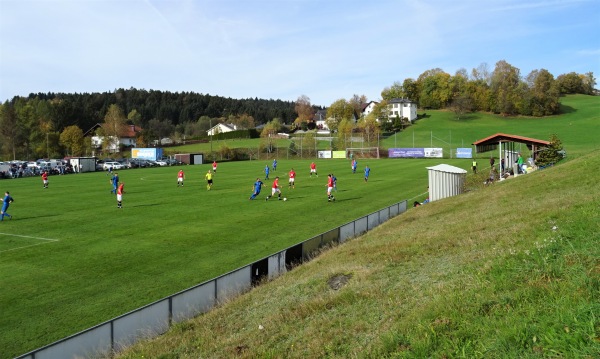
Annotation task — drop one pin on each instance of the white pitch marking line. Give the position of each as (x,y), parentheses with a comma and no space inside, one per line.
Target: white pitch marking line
(31,245)
(40,238)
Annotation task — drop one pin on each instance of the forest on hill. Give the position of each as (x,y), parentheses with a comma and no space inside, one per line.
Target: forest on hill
(57,124)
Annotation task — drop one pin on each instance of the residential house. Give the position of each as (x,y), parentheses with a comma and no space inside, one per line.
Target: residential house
(403,108)
(320,120)
(221,128)
(127,139)
(400,107)
(367,108)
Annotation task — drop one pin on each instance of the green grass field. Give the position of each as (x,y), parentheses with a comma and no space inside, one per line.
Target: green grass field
(70,259)
(508,271)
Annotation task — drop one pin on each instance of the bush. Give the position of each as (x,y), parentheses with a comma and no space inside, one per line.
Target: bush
(551,154)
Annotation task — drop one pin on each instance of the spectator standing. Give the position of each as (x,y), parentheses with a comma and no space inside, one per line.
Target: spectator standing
(474,167)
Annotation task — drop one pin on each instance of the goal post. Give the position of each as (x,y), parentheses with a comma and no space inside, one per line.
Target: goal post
(362,152)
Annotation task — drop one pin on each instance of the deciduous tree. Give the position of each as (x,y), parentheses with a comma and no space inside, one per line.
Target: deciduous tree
(114,127)
(72,138)
(304,110)
(338,111)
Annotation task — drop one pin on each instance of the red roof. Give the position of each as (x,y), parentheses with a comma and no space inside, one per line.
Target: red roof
(131,131)
(503,137)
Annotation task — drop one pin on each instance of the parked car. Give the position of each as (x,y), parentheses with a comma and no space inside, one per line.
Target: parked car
(113,165)
(162,163)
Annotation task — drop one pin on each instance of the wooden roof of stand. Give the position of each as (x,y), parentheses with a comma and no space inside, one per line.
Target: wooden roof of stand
(491,142)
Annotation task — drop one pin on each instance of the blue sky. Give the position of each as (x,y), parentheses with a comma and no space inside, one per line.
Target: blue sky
(281,49)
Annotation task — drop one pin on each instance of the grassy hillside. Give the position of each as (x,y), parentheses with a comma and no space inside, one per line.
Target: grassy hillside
(511,270)
(442,129)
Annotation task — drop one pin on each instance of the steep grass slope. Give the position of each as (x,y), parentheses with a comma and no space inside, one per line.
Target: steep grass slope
(511,270)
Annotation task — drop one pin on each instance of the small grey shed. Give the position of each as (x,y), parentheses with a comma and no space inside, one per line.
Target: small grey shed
(445,181)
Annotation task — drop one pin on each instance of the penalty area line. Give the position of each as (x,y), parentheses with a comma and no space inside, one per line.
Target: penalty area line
(31,245)
(22,236)
(46,241)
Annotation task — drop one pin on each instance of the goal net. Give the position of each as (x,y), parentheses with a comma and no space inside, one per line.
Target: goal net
(362,152)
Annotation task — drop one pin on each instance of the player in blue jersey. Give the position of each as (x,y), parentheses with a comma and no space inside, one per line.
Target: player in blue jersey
(367,173)
(115,182)
(267,169)
(5,203)
(257,187)
(274,165)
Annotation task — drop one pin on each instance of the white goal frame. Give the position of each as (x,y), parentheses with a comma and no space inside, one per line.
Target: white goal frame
(362,152)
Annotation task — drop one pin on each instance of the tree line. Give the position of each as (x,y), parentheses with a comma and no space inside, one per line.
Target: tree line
(31,127)
(54,124)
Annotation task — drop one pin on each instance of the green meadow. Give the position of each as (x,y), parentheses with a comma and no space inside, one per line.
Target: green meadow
(70,259)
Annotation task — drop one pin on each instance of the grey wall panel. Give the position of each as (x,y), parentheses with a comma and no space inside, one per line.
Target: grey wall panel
(402,206)
(373,220)
(346,232)
(277,265)
(144,323)
(384,215)
(195,301)
(91,343)
(332,236)
(233,283)
(361,226)
(311,246)
(394,210)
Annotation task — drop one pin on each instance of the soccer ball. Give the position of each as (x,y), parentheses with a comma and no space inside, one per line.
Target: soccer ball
(285,198)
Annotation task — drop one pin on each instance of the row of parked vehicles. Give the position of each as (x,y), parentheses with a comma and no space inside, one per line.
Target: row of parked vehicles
(109,163)
(17,169)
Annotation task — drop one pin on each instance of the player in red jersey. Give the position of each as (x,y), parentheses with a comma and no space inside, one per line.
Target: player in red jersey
(275,189)
(180,178)
(45,179)
(120,192)
(313,169)
(292,182)
(330,184)
(215,166)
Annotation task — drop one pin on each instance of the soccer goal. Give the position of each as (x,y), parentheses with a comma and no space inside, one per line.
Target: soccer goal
(362,152)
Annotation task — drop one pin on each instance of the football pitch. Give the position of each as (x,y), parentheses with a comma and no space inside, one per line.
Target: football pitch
(71,259)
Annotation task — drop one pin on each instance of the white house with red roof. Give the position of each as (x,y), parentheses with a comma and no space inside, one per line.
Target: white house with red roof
(127,139)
